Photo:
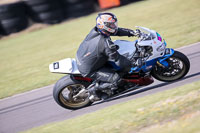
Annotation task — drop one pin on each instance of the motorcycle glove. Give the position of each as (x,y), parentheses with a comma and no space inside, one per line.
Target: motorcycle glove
(131,33)
(124,32)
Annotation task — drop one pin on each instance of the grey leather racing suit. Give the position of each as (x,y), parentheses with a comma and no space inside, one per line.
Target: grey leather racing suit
(96,50)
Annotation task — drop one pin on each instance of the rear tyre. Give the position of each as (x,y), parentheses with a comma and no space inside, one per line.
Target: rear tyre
(65,89)
(179,66)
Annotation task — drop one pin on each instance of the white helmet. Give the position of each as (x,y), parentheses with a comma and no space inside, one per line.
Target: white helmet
(106,23)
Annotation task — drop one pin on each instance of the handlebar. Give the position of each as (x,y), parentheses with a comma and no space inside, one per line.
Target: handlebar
(140,34)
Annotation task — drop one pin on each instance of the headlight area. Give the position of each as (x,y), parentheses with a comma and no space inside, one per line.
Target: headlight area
(161,47)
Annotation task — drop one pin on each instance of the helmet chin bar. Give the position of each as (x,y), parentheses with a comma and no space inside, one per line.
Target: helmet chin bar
(105,33)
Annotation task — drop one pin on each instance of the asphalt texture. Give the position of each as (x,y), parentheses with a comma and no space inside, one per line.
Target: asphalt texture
(35,108)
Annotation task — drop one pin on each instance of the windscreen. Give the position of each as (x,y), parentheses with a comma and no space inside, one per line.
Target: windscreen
(149,34)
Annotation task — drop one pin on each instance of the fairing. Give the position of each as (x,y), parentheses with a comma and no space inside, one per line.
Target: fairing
(126,48)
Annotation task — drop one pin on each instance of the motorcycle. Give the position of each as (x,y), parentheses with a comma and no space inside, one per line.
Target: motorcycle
(164,64)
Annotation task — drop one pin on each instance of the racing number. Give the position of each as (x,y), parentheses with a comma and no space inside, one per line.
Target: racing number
(56,65)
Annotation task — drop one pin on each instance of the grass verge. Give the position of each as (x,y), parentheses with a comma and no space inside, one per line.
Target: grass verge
(188,123)
(170,108)
(25,58)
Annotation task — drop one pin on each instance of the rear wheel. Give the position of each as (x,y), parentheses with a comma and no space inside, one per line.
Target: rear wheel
(66,89)
(179,66)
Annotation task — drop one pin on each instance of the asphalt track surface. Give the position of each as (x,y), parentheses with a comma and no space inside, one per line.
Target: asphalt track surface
(35,108)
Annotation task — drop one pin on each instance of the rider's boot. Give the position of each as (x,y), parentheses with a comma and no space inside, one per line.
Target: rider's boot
(97,94)
(109,87)
(93,94)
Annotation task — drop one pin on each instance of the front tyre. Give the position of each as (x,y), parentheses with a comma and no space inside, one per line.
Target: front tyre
(64,91)
(179,66)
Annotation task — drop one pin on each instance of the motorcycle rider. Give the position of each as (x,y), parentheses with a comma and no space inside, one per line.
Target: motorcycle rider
(97,49)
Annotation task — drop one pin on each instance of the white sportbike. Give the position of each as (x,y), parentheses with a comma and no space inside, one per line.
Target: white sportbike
(164,64)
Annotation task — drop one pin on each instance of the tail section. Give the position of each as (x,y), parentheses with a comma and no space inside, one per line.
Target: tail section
(66,66)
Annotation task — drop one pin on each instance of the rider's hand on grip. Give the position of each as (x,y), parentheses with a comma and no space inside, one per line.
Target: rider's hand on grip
(137,33)
(131,33)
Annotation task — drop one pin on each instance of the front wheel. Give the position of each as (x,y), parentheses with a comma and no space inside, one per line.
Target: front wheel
(64,91)
(179,66)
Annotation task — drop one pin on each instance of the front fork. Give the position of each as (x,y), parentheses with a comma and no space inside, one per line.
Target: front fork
(162,61)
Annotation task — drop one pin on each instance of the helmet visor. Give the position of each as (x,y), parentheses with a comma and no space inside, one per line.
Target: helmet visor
(112,25)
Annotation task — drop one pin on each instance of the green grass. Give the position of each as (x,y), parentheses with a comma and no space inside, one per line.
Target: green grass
(158,110)
(25,58)
(188,123)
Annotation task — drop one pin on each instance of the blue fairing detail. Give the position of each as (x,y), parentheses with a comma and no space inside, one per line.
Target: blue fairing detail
(165,64)
(114,65)
(168,53)
(145,68)
(135,69)
(150,64)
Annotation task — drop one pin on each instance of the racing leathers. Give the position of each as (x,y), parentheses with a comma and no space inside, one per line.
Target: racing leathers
(96,50)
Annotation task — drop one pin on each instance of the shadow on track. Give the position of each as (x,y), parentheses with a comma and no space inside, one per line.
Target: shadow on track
(140,90)
(134,92)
